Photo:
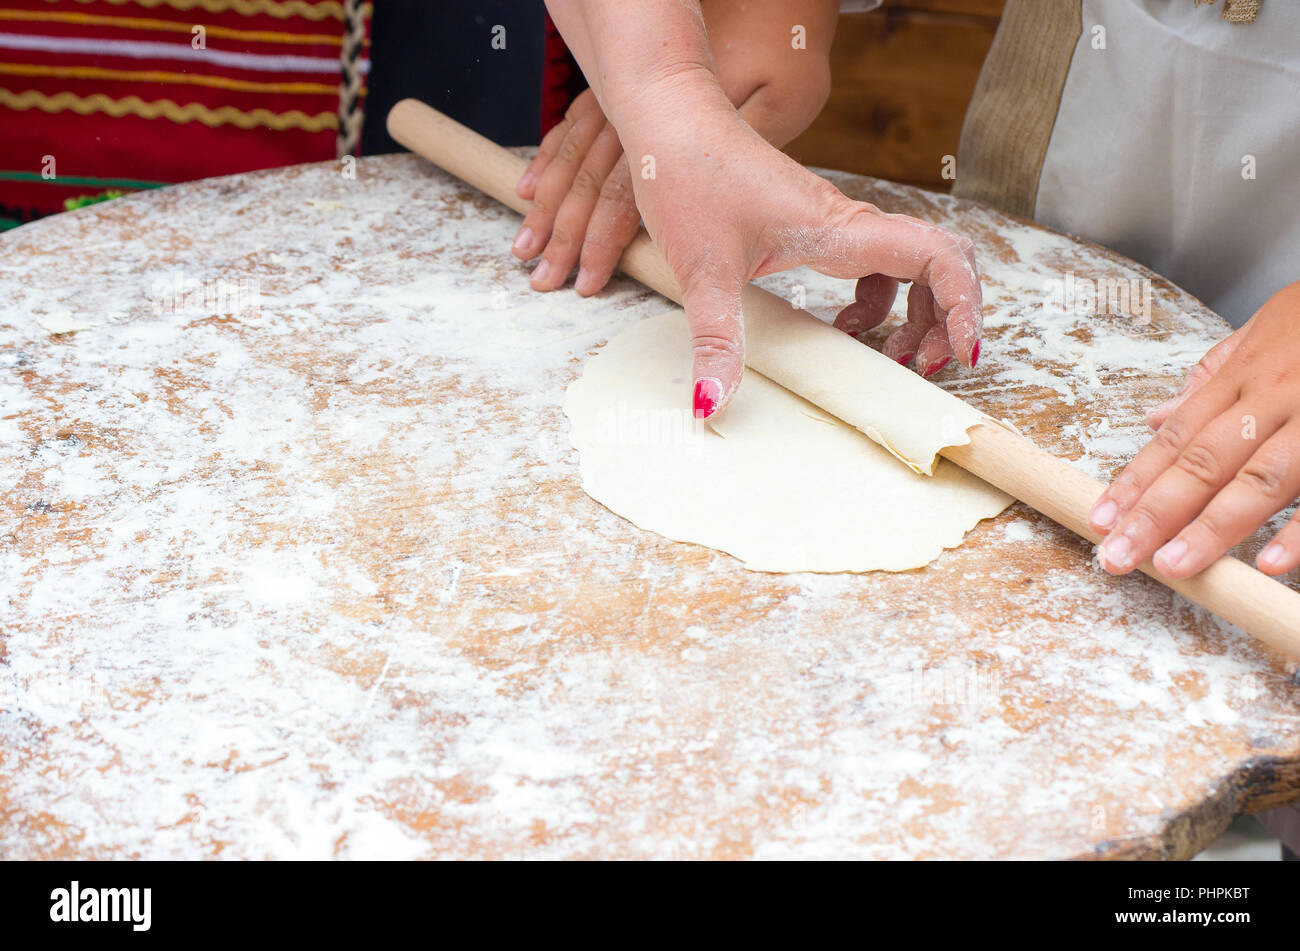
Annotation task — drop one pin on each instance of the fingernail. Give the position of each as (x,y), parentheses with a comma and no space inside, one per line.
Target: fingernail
(541,272)
(1104,514)
(708,394)
(907,358)
(527,181)
(1272,555)
(975,354)
(1171,554)
(938,365)
(1117,552)
(523,240)
(580,282)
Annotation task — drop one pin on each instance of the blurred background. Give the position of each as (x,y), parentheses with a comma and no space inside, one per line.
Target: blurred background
(103,97)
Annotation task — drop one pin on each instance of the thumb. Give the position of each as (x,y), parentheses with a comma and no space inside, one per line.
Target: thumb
(1210,364)
(717,342)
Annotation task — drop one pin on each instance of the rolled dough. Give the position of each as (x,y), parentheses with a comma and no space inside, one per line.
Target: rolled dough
(775,481)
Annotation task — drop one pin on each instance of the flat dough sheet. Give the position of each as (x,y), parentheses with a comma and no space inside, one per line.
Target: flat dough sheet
(776,482)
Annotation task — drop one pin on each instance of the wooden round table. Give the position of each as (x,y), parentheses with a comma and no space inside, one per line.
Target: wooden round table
(294,562)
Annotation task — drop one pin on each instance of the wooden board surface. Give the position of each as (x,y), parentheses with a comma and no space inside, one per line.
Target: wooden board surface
(902,77)
(311,574)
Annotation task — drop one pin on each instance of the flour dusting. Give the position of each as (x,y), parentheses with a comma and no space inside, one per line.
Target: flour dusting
(294,564)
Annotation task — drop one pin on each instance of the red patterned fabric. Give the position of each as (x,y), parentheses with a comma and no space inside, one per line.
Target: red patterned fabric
(558,78)
(263,91)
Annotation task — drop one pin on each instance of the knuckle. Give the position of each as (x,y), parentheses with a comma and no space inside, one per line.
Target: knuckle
(1201,464)
(711,344)
(569,150)
(1210,525)
(562,237)
(835,208)
(1263,477)
(1144,520)
(587,184)
(846,214)
(1276,377)
(1172,436)
(1220,526)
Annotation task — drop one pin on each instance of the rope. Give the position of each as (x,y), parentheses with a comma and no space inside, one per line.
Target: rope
(351,115)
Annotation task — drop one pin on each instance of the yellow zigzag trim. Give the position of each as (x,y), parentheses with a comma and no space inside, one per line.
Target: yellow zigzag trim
(328,9)
(160,76)
(165,108)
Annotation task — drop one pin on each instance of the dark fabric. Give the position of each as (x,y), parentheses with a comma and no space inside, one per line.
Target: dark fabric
(441,53)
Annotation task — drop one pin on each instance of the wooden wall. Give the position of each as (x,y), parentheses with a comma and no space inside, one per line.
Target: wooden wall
(903,75)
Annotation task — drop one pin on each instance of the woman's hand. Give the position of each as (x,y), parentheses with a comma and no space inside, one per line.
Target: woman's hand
(580,183)
(725,207)
(583,207)
(1225,458)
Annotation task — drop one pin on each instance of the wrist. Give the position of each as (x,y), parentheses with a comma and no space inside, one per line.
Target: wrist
(662,100)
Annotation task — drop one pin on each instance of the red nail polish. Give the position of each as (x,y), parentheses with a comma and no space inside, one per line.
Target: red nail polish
(938,365)
(975,354)
(906,358)
(708,394)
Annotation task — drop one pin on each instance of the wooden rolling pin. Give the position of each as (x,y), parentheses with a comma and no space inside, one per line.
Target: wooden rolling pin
(1230,588)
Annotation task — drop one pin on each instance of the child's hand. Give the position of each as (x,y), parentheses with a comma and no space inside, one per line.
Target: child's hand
(584,211)
(1225,459)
